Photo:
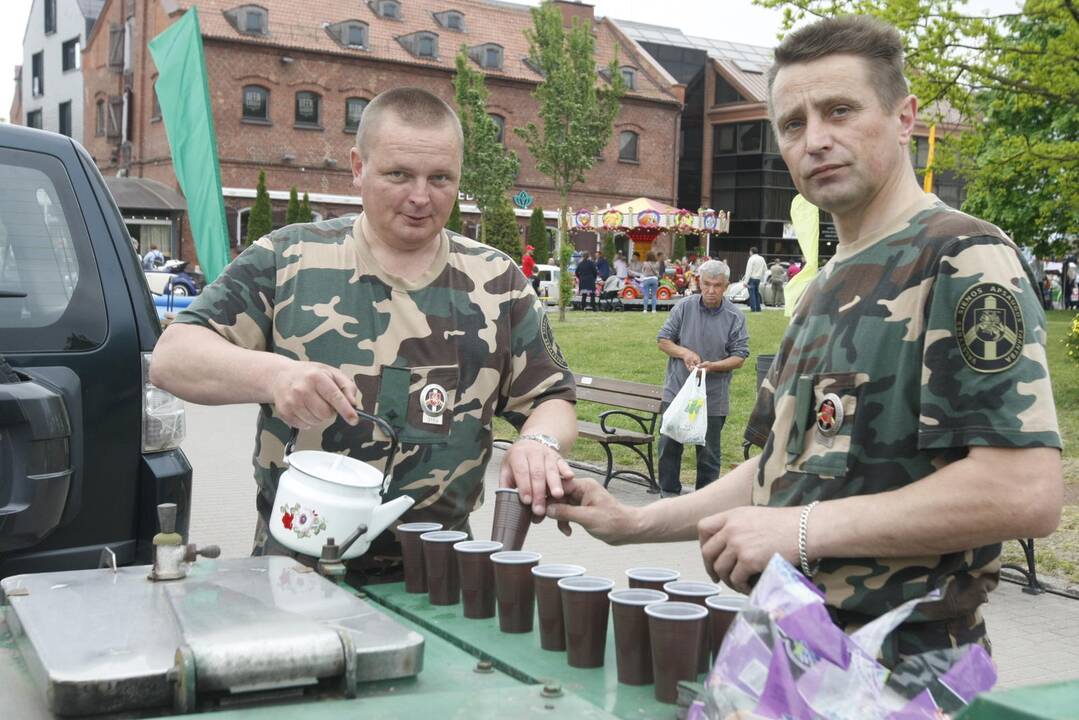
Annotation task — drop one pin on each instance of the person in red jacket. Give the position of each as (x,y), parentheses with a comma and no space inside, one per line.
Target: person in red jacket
(528,267)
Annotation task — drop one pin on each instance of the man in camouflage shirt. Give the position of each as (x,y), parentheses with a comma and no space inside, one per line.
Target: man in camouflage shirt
(388,312)
(910,395)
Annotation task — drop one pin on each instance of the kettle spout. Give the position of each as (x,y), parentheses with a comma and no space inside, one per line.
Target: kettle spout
(386,513)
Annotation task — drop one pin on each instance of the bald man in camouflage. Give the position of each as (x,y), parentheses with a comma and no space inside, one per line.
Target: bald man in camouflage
(907,422)
(387,312)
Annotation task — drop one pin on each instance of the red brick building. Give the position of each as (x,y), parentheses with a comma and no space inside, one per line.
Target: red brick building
(289,79)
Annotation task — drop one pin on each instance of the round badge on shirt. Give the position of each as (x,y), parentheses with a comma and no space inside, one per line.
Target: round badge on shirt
(989,327)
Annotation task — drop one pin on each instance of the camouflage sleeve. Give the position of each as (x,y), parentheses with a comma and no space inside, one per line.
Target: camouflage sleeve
(239,304)
(985,376)
(763,415)
(539,372)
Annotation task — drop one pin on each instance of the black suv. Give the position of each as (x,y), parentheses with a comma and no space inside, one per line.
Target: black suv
(88,447)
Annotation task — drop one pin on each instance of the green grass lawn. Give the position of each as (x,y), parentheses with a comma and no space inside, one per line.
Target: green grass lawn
(623,345)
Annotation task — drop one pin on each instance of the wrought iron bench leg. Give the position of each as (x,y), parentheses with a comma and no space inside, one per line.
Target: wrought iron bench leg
(610,464)
(1033,587)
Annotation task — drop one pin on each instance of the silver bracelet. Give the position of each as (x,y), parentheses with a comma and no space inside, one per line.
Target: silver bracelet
(542,439)
(803,523)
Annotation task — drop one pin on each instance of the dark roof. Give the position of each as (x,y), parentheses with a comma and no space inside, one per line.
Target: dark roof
(745,64)
(144,194)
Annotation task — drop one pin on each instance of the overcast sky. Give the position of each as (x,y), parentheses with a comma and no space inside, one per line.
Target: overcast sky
(732,20)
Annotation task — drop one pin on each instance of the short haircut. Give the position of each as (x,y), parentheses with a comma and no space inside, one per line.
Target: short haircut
(713,269)
(860,35)
(753,251)
(413,107)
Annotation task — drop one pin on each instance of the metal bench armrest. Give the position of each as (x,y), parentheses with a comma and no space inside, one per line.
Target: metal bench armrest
(646,427)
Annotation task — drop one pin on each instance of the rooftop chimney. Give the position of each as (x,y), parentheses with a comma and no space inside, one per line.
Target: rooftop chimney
(575,9)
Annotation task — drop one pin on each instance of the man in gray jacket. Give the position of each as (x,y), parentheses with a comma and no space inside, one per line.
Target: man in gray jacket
(703,331)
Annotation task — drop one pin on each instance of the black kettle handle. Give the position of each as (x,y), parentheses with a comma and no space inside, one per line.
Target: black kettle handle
(290,446)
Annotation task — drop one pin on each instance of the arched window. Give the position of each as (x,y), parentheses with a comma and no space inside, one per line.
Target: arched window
(500,122)
(627,146)
(389,9)
(307,108)
(354,108)
(99,125)
(256,103)
(427,45)
(355,35)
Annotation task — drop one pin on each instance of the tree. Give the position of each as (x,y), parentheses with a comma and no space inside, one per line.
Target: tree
(292,214)
(502,230)
(608,247)
(1012,80)
(454,223)
(260,219)
(305,215)
(537,234)
(488,169)
(577,111)
(679,250)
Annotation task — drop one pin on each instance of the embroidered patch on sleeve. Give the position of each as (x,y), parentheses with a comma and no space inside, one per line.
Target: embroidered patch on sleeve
(552,347)
(989,327)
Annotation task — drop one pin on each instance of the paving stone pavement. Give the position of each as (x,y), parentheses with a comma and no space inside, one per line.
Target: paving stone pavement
(1035,638)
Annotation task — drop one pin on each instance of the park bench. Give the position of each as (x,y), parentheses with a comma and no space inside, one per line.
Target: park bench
(635,404)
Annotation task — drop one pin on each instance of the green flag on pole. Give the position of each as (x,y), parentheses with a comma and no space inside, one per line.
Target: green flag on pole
(183,92)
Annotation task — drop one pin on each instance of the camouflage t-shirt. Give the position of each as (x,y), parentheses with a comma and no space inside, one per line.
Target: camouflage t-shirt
(438,357)
(907,349)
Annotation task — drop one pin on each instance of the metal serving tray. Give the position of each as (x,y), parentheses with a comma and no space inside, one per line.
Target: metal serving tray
(101,641)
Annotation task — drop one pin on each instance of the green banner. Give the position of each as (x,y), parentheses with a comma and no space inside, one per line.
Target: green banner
(183,92)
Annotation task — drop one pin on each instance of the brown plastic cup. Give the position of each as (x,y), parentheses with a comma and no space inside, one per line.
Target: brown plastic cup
(511,519)
(514,589)
(477,576)
(651,578)
(696,593)
(585,608)
(408,534)
(722,610)
(443,583)
(674,626)
(632,643)
(549,603)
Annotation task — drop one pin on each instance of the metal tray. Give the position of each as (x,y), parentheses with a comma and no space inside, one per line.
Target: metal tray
(101,641)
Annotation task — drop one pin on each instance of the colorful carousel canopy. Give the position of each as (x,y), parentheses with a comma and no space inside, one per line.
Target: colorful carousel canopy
(645,217)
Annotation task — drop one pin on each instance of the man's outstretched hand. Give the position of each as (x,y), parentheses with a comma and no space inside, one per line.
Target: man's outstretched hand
(588,504)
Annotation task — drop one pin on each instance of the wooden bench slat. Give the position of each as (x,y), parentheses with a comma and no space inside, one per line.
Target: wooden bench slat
(606,397)
(625,387)
(593,431)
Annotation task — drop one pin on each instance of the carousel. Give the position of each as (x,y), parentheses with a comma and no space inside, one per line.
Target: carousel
(644,221)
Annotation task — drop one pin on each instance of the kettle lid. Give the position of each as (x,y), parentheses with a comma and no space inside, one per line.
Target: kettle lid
(335,468)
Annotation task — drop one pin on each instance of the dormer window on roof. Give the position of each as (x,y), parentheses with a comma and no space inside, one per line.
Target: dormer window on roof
(488,55)
(452,19)
(389,9)
(420,44)
(629,77)
(349,33)
(249,19)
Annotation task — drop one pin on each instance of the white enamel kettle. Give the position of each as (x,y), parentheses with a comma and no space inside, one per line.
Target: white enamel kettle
(323,495)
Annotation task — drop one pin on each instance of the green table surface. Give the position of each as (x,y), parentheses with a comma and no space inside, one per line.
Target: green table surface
(1058,701)
(520,655)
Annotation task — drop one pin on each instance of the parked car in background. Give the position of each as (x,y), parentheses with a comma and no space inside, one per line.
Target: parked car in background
(173,278)
(548,282)
(737,292)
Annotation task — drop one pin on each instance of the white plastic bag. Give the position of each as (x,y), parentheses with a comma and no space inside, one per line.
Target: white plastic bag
(686,418)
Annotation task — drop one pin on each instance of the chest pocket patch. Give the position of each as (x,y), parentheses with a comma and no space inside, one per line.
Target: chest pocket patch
(826,408)
(419,402)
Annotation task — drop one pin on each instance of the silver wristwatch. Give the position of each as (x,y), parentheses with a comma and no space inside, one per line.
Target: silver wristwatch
(543,440)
